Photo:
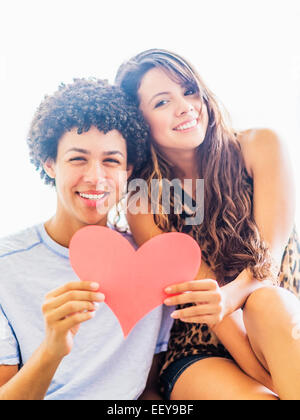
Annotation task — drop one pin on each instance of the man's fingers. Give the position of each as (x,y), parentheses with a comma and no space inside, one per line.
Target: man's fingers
(70,296)
(75,319)
(68,309)
(78,285)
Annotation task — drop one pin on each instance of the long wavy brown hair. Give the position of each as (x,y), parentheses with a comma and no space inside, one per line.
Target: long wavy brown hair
(229,230)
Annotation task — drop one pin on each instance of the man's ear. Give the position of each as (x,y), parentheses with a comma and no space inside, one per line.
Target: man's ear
(129,171)
(49,168)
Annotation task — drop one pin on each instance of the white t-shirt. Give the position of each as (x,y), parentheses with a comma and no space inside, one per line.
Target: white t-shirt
(102,364)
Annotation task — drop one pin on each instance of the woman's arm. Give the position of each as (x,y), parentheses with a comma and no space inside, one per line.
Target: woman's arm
(268,162)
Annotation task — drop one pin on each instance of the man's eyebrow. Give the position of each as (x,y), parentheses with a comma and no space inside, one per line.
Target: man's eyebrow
(113,152)
(86,152)
(76,149)
(158,94)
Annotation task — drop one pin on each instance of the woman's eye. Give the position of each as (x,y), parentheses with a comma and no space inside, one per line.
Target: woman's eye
(160,103)
(190,91)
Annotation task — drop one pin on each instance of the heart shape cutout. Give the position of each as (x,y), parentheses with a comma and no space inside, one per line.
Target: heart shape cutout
(133,282)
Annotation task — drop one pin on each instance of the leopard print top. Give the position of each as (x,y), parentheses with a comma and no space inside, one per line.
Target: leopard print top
(191,339)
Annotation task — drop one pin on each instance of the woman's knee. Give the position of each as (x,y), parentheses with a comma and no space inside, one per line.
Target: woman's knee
(270,310)
(266,301)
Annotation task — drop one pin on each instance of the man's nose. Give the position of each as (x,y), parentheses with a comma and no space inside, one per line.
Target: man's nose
(95,172)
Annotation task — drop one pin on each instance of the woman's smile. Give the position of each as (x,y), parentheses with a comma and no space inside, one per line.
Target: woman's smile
(187,125)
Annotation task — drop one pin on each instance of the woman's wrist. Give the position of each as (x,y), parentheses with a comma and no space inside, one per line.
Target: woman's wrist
(236,293)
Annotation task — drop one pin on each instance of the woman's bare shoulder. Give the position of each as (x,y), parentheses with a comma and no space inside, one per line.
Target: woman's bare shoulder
(255,143)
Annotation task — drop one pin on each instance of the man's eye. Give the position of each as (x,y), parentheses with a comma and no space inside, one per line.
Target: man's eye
(111,160)
(77,159)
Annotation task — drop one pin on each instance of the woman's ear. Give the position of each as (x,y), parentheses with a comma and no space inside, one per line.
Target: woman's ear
(49,168)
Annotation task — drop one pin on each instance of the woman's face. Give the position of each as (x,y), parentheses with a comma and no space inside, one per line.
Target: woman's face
(90,172)
(176,114)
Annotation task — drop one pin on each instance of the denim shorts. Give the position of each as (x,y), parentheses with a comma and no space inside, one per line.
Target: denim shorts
(175,369)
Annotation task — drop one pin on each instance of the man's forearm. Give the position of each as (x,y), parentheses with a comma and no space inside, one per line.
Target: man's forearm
(33,379)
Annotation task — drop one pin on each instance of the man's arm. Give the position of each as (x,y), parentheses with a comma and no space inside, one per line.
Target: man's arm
(64,310)
(32,381)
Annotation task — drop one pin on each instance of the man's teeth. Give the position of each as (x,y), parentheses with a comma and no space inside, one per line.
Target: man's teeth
(187,125)
(92,196)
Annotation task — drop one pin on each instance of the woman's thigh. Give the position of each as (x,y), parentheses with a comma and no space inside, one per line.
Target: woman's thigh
(218,378)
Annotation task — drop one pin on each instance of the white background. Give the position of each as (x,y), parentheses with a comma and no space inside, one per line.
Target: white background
(247,51)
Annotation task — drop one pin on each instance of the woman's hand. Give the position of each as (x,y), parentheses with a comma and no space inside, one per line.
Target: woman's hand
(64,310)
(208,299)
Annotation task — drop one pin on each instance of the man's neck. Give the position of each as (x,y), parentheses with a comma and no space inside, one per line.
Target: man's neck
(62,231)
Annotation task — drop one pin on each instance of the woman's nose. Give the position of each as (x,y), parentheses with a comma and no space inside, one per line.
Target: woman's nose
(184,106)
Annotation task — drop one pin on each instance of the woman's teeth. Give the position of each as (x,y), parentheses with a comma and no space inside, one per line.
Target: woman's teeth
(187,125)
(92,196)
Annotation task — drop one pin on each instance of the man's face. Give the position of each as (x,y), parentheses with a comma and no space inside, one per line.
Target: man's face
(90,174)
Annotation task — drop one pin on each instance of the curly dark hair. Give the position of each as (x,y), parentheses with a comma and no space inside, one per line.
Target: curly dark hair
(83,104)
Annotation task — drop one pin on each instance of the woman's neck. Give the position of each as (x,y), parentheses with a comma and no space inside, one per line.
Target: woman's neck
(184,161)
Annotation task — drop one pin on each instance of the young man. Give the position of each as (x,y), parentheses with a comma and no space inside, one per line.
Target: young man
(85,140)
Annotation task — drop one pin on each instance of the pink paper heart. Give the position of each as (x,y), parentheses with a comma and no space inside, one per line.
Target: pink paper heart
(133,281)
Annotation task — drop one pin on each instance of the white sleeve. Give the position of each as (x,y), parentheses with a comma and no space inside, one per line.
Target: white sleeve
(9,348)
(165,329)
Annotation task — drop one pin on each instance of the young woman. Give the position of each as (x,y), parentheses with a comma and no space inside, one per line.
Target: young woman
(246,238)
(85,140)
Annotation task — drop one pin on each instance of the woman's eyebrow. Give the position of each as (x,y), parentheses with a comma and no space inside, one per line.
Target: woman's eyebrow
(158,94)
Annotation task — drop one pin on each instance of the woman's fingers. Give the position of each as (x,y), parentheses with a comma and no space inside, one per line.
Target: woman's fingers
(194,285)
(205,298)
(209,320)
(197,310)
(194,297)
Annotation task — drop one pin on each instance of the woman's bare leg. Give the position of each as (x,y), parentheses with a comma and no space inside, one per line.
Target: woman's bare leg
(217,378)
(272,317)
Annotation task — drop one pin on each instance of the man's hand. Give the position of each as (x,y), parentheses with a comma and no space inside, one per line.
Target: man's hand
(64,310)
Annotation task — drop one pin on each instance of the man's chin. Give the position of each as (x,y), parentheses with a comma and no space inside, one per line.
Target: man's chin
(100,220)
